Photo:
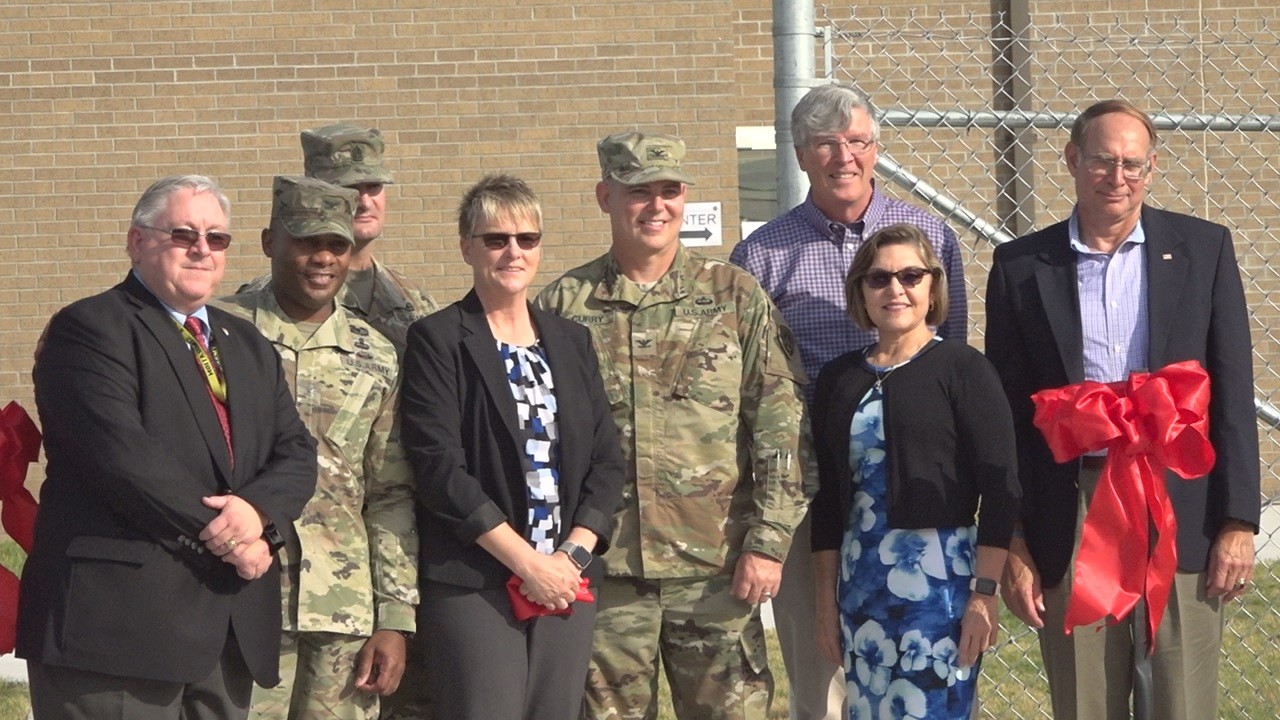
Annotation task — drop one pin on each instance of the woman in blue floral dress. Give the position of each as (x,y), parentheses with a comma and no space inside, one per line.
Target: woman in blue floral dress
(911,433)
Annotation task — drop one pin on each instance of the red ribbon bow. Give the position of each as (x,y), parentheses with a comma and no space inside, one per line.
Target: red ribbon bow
(1152,422)
(19,447)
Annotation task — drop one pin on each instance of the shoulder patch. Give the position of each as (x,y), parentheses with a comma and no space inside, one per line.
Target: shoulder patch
(786,340)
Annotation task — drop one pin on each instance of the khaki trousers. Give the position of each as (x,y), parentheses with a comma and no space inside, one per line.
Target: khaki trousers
(1091,670)
(816,686)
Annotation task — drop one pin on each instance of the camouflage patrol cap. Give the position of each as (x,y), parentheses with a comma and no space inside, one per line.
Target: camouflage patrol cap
(634,158)
(344,155)
(307,207)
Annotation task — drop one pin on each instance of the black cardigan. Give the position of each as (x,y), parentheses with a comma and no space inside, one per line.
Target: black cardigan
(948,437)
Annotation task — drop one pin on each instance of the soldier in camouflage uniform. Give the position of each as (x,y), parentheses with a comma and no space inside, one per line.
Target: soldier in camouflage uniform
(351,156)
(705,388)
(350,566)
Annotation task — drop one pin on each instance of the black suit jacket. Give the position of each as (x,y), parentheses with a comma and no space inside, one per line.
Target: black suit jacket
(460,431)
(1196,311)
(118,581)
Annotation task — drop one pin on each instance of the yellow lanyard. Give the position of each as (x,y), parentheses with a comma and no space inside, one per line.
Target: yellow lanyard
(208,365)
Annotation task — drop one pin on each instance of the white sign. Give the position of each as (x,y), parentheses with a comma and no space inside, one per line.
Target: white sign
(702,225)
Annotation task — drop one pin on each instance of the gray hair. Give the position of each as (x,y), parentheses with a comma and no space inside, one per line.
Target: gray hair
(155,199)
(827,109)
(495,196)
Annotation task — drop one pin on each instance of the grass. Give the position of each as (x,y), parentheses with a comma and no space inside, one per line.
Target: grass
(14,704)
(11,556)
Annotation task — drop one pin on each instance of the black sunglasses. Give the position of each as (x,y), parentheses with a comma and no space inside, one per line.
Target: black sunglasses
(499,241)
(907,277)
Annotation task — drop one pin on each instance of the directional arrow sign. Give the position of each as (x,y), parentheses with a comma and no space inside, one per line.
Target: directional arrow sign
(702,225)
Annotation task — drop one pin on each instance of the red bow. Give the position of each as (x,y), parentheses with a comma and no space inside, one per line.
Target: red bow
(19,447)
(1152,422)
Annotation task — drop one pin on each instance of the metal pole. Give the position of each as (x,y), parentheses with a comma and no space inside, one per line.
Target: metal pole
(793,72)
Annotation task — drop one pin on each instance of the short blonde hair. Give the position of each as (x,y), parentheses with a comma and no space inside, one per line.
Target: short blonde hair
(900,234)
(495,196)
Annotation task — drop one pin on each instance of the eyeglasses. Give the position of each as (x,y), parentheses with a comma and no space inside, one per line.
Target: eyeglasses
(499,241)
(907,277)
(1102,165)
(186,237)
(830,147)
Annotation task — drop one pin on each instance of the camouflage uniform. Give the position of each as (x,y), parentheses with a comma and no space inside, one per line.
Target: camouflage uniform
(350,155)
(705,389)
(350,566)
(397,303)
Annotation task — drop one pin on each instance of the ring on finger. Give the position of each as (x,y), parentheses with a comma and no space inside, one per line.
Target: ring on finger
(1241,582)
(231,544)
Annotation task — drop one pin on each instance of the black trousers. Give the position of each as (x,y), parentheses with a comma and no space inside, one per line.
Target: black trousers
(483,664)
(63,693)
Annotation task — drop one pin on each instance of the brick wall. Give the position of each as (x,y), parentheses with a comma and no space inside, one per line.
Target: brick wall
(99,99)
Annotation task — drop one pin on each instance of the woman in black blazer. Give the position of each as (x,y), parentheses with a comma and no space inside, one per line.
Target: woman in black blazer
(519,470)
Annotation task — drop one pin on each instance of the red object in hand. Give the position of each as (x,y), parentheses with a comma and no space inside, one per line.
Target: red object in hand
(1152,422)
(19,447)
(524,608)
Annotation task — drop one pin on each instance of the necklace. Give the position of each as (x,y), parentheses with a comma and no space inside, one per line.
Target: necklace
(881,376)
(882,372)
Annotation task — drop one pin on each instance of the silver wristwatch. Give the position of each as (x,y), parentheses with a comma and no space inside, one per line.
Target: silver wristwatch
(578,555)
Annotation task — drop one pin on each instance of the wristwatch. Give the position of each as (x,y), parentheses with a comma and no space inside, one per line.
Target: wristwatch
(578,555)
(984,586)
(274,539)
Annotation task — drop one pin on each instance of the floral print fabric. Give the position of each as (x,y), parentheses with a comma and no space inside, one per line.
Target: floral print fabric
(902,594)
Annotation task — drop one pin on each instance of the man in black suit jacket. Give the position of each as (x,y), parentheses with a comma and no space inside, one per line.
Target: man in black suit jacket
(1121,287)
(152,590)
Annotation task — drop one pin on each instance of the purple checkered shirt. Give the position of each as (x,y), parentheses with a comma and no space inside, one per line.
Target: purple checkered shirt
(1112,288)
(801,258)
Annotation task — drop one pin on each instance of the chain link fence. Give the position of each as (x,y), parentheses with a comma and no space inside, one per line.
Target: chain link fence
(976,109)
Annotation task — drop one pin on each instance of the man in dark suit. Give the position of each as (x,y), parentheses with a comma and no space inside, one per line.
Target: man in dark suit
(1117,288)
(174,454)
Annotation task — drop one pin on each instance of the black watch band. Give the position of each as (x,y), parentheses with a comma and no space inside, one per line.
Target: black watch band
(274,539)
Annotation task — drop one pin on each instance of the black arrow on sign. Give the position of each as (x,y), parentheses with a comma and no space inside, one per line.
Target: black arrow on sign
(704,234)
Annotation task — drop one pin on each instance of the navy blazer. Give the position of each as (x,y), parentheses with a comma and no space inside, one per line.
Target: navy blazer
(460,432)
(118,581)
(1196,311)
